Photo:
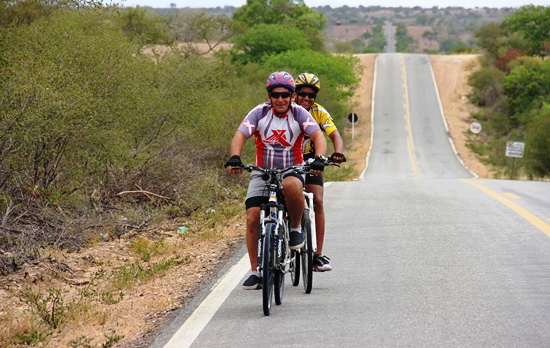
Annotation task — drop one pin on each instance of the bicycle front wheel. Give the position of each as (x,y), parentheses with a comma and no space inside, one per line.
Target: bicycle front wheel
(267,269)
(307,253)
(280,251)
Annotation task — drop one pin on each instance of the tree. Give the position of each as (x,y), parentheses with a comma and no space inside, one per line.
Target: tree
(486,86)
(285,12)
(533,23)
(340,71)
(267,39)
(527,87)
(491,37)
(402,39)
(144,26)
(16,13)
(201,27)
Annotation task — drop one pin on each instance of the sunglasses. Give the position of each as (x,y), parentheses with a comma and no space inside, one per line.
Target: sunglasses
(276,95)
(304,94)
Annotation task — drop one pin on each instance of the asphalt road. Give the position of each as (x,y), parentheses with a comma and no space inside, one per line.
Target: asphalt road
(424,253)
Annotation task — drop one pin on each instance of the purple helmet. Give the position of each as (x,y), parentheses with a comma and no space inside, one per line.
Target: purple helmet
(280,79)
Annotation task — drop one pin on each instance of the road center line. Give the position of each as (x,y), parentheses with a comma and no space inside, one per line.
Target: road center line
(538,223)
(410,142)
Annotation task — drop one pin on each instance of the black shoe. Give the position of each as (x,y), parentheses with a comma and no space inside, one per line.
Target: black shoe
(296,240)
(321,264)
(253,283)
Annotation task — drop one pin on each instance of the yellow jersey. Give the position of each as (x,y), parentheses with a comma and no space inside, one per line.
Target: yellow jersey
(326,123)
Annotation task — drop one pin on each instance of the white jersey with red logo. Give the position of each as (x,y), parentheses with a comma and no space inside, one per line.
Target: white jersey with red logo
(278,139)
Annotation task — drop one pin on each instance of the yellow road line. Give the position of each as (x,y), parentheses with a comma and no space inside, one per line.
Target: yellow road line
(538,223)
(410,142)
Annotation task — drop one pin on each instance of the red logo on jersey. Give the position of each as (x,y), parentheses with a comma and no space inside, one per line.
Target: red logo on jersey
(278,136)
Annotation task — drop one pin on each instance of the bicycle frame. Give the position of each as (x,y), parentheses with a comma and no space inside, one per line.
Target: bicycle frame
(274,255)
(276,217)
(308,196)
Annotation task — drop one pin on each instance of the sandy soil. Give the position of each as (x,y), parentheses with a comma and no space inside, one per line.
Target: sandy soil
(150,305)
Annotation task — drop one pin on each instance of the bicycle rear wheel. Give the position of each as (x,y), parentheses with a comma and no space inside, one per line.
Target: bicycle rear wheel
(307,253)
(267,269)
(295,267)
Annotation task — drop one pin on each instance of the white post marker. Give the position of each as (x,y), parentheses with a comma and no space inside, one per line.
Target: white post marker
(352,118)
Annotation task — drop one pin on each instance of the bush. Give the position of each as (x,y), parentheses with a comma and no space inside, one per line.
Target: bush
(93,128)
(537,145)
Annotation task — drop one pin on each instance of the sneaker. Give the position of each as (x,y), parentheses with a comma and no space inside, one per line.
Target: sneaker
(296,240)
(253,283)
(321,264)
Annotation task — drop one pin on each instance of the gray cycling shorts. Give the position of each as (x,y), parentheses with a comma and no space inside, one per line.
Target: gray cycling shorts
(258,193)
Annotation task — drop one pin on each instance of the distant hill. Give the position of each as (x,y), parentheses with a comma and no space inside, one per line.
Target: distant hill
(432,29)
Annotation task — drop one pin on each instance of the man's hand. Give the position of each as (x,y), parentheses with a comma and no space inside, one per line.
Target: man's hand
(338,157)
(234,165)
(318,165)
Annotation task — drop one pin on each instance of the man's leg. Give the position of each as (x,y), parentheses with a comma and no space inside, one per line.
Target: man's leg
(318,192)
(294,200)
(252,228)
(320,262)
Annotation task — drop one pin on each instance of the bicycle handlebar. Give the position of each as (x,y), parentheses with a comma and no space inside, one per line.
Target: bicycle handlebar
(297,168)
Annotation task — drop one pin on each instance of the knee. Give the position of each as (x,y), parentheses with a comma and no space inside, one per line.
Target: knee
(318,202)
(292,186)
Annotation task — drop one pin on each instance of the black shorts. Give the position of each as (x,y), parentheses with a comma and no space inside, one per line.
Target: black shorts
(314,180)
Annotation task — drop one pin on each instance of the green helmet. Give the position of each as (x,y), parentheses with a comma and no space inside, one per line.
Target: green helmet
(308,80)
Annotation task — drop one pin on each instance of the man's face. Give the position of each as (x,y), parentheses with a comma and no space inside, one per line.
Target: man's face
(280,97)
(306,97)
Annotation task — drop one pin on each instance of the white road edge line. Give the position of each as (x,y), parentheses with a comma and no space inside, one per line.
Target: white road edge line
(373,94)
(442,113)
(190,330)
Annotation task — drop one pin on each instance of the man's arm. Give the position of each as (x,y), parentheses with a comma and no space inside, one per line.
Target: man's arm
(237,145)
(337,141)
(318,139)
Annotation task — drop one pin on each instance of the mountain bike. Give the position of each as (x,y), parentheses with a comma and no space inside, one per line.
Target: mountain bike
(274,256)
(302,259)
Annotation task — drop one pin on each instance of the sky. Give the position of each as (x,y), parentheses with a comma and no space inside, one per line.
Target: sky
(340,3)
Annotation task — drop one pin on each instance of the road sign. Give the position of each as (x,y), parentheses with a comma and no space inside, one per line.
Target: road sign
(514,149)
(475,127)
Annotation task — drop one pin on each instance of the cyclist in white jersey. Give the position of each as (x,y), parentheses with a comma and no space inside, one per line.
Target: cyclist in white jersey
(279,127)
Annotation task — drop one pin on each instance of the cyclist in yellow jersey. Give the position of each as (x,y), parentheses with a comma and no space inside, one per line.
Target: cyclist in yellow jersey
(307,88)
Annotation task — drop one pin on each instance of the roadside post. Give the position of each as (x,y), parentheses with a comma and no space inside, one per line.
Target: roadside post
(515,150)
(352,117)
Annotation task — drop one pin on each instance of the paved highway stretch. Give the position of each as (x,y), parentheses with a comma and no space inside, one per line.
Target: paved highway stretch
(424,253)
